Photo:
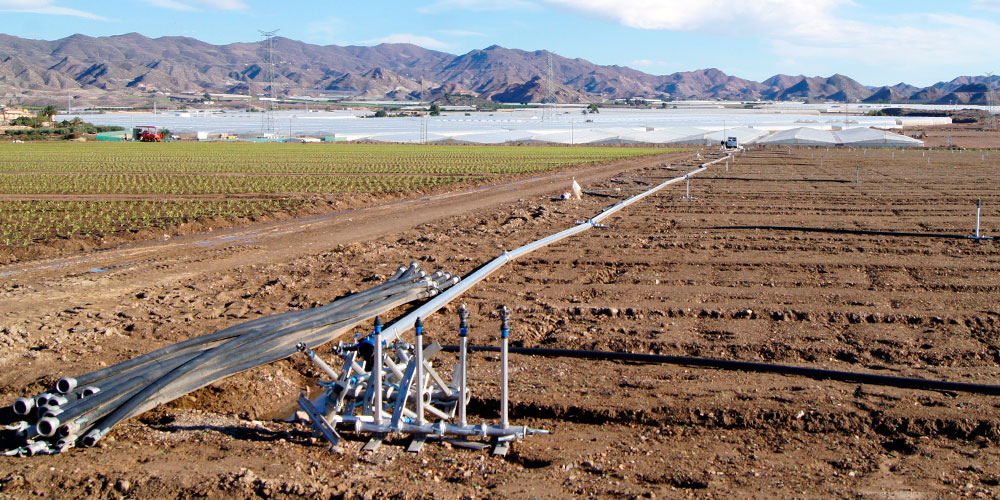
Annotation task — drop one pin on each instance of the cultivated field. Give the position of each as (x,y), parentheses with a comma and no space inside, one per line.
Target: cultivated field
(104,193)
(669,276)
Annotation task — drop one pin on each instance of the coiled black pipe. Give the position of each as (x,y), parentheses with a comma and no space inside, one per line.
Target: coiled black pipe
(859,231)
(748,366)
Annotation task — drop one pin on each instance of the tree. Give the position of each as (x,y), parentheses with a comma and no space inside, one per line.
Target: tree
(435,110)
(593,108)
(48,112)
(25,121)
(381,114)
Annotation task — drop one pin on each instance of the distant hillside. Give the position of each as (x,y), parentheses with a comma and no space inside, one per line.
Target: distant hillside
(133,62)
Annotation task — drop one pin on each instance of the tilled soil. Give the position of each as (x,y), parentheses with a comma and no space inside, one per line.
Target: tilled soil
(669,276)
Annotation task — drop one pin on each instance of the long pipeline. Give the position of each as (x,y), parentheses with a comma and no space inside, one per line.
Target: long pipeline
(405,323)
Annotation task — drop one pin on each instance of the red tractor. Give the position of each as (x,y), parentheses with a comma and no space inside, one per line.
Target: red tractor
(146,133)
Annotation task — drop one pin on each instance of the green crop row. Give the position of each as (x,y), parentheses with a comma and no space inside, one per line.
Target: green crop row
(267,177)
(298,158)
(193,184)
(29,221)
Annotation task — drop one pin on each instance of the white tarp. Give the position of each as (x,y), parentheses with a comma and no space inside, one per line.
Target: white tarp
(745,135)
(864,136)
(492,137)
(857,136)
(801,136)
(661,135)
(408,137)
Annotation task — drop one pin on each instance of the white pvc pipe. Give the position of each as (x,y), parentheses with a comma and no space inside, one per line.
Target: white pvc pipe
(395,330)
(377,363)
(463,361)
(979,208)
(419,376)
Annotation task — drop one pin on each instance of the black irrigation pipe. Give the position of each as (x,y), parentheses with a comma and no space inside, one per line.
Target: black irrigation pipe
(860,231)
(747,366)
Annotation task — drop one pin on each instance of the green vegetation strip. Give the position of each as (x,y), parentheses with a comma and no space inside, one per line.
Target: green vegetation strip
(267,178)
(24,222)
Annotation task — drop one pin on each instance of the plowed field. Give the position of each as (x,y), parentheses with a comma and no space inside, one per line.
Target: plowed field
(713,276)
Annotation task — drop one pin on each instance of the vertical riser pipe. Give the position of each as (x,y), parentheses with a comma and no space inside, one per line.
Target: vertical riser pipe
(463,360)
(418,382)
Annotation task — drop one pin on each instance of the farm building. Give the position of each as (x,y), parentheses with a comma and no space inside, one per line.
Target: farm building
(10,113)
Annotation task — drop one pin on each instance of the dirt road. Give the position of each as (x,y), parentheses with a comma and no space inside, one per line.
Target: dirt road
(152,264)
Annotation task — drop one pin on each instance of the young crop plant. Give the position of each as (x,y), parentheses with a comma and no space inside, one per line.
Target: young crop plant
(52,190)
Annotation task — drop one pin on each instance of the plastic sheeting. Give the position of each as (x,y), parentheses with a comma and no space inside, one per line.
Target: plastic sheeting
(858,136)
(801,136)
(864,136)
(745,135)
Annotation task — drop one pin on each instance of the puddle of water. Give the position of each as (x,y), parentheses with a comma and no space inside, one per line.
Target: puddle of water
(4,275)
(96,270)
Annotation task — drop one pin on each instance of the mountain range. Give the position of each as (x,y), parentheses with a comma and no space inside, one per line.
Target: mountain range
(135,63)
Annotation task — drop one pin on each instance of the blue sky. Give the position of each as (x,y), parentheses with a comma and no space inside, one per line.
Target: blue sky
(876,42)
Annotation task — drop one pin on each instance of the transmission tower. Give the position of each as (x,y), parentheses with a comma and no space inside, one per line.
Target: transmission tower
(546,109)
(992,119)
(267,120)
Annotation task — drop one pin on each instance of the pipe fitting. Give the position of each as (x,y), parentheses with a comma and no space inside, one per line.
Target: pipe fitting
(42,400)
(65,444)
(66,385)
(37,448)
(23,406)
(47,426)
(71,428)
(56,401)
(92,438)
(17,426)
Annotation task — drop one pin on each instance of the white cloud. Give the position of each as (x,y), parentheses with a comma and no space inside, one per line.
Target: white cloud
(324,31)
(720,16)
(423,41)
(45,7)
(196,5)
(993,5)
(461,33)
(810,29)
(476,5)
(647,62)
(950,39)
(174,5)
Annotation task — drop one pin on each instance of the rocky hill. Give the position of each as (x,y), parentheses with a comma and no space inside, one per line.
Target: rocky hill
(135,63)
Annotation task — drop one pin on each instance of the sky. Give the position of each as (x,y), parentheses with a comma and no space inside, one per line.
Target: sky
(875,42)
